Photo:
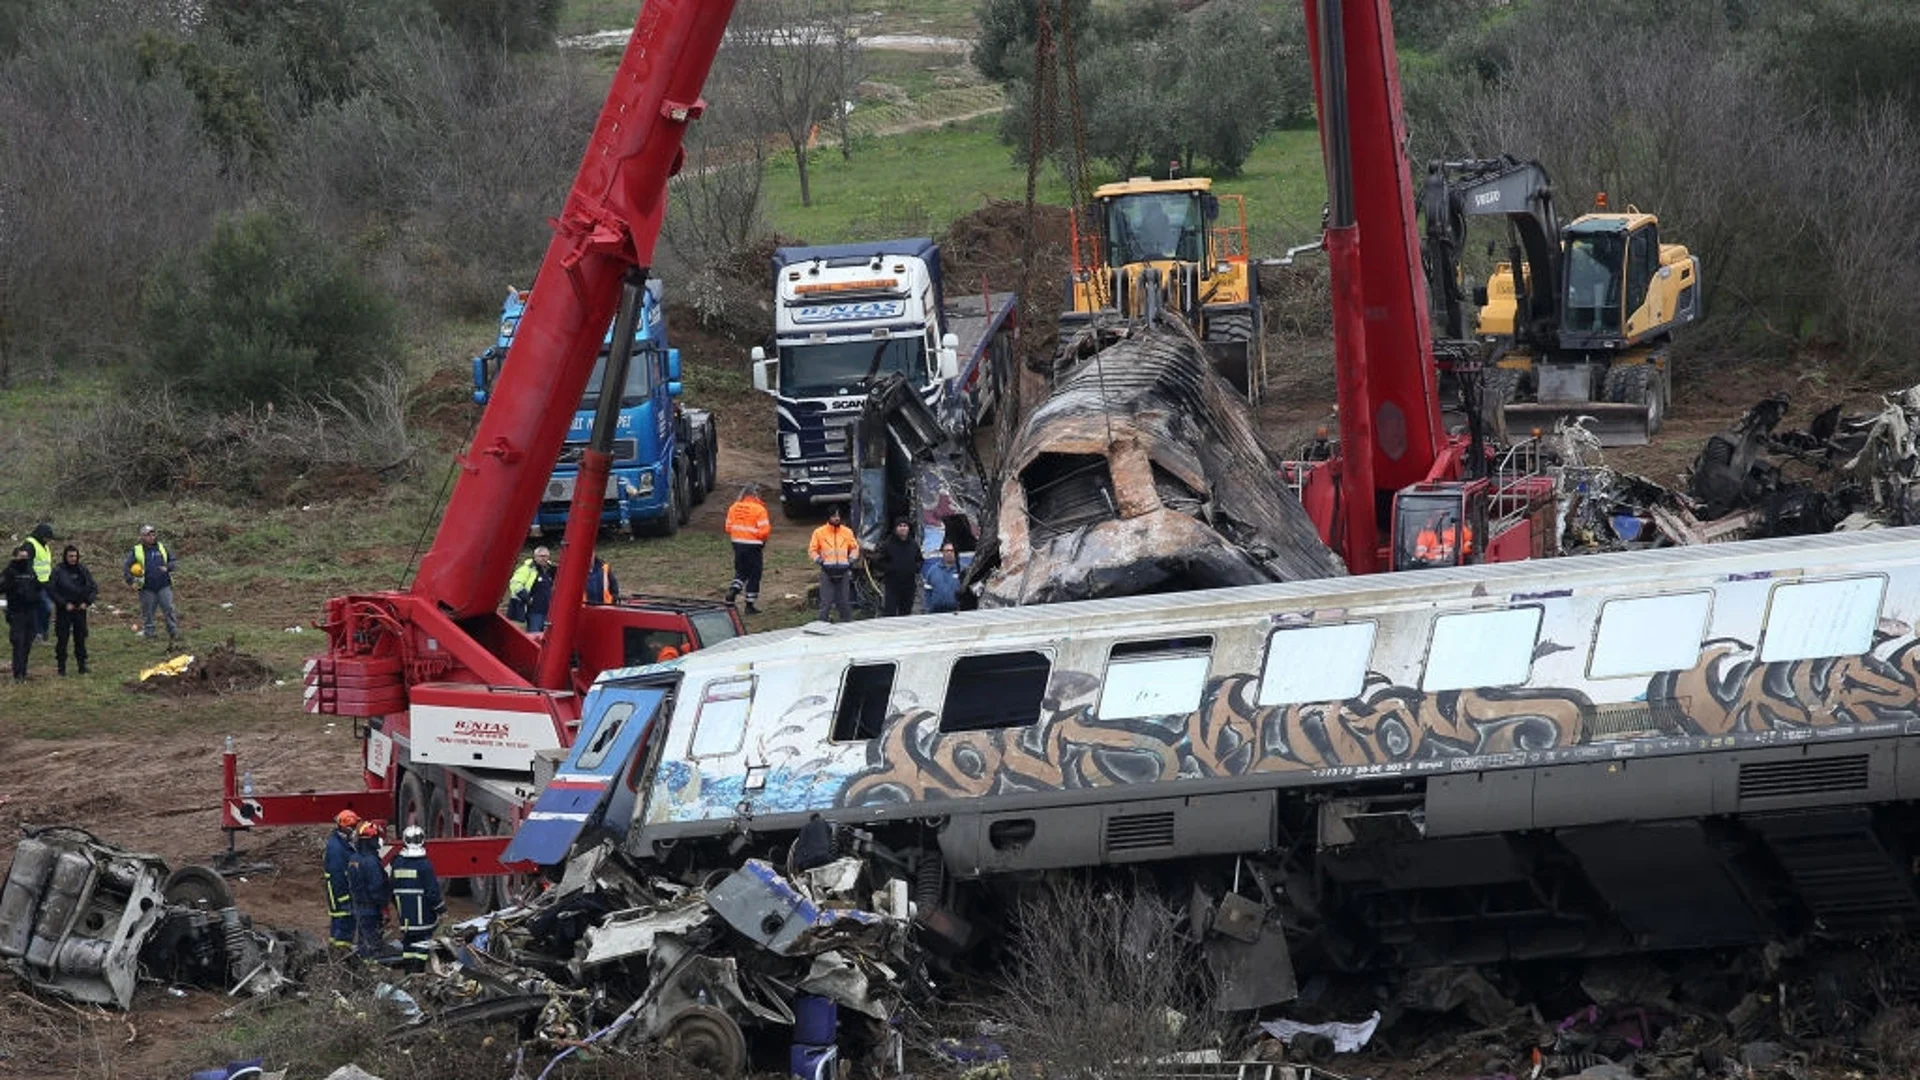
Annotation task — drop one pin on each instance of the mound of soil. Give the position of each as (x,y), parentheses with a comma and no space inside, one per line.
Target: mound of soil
(989,250)
(222,669)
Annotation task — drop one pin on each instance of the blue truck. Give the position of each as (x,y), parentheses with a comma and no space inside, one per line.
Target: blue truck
(846,313)
(665,454)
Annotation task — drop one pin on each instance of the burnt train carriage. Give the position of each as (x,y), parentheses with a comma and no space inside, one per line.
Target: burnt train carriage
(1689,747)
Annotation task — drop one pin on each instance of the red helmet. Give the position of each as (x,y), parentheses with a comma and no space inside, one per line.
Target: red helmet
(371,830)
(346,819)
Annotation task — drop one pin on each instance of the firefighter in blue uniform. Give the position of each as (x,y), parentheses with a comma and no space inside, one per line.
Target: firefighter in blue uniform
(416,897)
(367,884)
(339,902)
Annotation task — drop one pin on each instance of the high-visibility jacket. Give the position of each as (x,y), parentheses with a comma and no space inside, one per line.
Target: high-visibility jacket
(42,559)
(523,578)
(136,567)
(834,547)
(1431,545)
(747,521)
(602,586)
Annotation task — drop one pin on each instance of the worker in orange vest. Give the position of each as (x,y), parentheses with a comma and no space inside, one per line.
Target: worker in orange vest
(1436,540)
(835,550)
(602,586)
(748,527)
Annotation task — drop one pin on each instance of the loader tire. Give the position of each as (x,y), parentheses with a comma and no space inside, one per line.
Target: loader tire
(1639,384)
(1237,326)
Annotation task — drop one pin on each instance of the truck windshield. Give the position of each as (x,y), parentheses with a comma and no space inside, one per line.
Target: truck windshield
(1593,283)
(639,379)
(1149,228)
(713,627)
(826,368)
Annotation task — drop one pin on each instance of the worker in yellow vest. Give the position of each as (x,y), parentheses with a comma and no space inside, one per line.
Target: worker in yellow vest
(39,543)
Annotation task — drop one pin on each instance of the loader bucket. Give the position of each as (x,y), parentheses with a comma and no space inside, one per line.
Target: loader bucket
(1616,423)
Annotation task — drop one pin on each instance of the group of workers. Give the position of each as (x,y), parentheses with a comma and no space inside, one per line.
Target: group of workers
(530,590)
(835,550)
(43,594)
(360,889)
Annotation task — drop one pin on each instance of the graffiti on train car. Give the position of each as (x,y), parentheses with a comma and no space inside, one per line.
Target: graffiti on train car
(1727,698)
(1390,729)
(1729,693)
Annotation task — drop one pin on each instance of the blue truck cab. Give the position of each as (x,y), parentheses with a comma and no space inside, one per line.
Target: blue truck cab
(665,454)
(844,313)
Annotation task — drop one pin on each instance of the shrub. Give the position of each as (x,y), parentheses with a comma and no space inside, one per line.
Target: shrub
(266,312)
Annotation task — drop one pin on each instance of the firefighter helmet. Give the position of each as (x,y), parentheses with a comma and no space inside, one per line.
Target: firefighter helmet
(413,840)
(370,830)
(346,819)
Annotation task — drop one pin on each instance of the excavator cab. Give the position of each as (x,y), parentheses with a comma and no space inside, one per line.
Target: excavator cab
(1157,246)
(1440,524)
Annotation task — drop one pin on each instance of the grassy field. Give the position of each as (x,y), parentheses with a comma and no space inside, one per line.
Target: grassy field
(920,181)
(947,18)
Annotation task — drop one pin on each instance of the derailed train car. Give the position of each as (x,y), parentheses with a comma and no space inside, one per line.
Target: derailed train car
(1691,747)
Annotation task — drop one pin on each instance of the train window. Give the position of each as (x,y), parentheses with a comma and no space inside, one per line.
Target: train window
(604,733)
(1812,619)
(1481,648)
(1643,635)
(864,695)
(1316,663)
(721,725)
(1155,678)
(995,690)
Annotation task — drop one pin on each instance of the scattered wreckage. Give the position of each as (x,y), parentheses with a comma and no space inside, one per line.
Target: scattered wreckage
(1839,473)
(82,918)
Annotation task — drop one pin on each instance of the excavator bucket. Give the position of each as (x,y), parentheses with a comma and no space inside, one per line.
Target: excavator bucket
(1616,423)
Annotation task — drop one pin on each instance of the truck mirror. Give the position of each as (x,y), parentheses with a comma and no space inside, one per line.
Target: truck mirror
(1480,295)
(673,364)
(673,388)
(763,373)
(949,356)
(1210,206)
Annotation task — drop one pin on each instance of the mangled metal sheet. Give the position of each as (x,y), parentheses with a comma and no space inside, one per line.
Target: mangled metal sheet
(1142,472)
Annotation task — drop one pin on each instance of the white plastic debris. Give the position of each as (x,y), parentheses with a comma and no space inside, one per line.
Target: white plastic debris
(1346,1037)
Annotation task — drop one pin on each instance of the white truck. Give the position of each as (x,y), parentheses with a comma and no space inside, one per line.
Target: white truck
(845,313)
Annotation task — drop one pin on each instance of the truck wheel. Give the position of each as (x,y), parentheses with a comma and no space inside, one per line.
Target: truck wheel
(410,801)
(439,825)
(713,462)
(795,510)
(486,890)
(700,481)
(682,490)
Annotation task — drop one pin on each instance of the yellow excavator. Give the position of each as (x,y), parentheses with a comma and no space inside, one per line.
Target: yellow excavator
(1157,246)
(1577,320)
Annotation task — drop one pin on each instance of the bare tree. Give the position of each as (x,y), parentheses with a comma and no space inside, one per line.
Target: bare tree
(715,212)
(794,54)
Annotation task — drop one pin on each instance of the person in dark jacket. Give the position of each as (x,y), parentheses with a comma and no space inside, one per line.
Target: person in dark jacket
(416,896)
(20,588)
(900,573)
(339,898)
(74,592)
(367,884)
(942,581)
(149,568)
(603,587)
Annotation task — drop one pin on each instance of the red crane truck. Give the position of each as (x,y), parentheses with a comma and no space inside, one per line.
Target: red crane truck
(457,705)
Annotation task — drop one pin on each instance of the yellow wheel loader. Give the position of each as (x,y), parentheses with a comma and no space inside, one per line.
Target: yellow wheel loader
(1157,246)
(1577,320)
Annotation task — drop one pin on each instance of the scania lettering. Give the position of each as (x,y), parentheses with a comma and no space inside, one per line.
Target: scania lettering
(848,312)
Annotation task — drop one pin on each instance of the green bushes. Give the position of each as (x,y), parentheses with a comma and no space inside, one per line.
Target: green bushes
(267,311)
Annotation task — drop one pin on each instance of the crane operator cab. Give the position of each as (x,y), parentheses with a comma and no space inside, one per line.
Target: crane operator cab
(1440,524)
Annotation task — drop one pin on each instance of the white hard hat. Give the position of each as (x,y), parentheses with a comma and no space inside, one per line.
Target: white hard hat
(413,841)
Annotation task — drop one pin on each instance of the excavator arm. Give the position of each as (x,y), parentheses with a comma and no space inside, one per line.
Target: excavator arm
(1505,187)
